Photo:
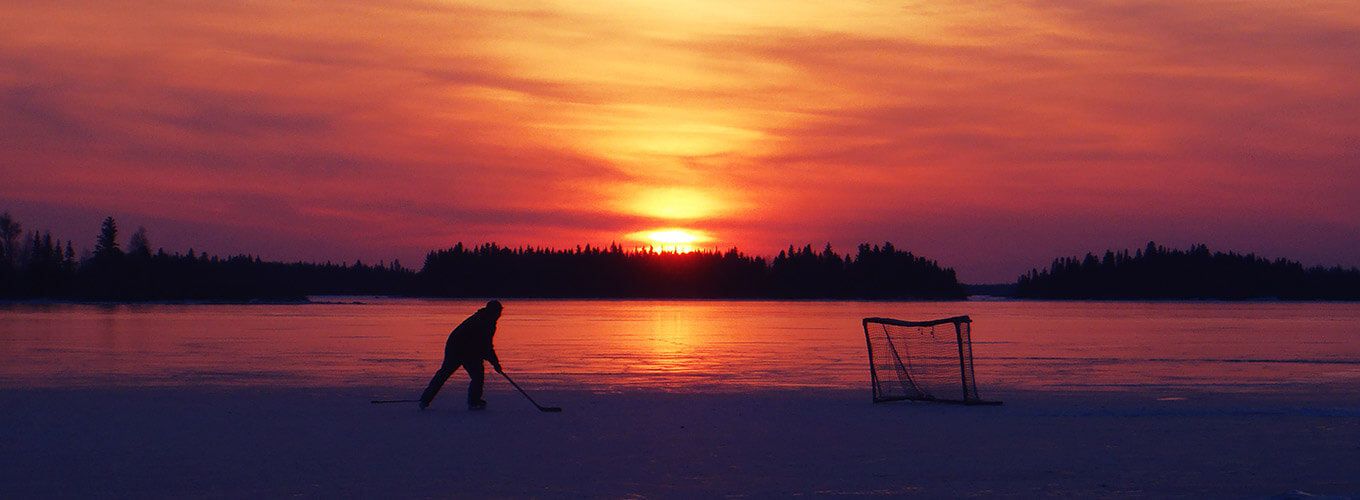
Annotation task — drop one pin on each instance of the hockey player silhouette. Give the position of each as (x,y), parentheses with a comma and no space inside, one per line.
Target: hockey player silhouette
(468,345)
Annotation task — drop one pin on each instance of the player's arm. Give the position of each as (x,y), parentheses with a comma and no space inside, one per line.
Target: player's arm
(491,356)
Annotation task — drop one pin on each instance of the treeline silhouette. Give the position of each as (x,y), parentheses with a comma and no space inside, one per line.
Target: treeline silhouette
(34,266)
(37,267)
(875,272)
(1160,273)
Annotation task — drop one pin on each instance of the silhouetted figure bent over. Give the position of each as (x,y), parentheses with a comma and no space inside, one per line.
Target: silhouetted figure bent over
(468,345)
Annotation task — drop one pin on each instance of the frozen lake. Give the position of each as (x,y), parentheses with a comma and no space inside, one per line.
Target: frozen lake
(611,346)
(676,399)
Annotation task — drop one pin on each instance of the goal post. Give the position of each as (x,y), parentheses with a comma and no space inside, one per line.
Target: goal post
(922,360)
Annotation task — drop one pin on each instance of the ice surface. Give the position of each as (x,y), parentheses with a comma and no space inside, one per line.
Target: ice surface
(332,443)
(678,399)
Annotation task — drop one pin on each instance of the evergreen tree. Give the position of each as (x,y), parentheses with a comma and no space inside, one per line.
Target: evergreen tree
(139,245)
(106,247)
(10,231)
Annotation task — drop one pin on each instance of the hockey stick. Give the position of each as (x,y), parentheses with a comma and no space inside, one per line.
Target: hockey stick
(381,401)
(546,409)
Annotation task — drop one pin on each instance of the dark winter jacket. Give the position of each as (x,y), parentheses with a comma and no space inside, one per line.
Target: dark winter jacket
(472,338)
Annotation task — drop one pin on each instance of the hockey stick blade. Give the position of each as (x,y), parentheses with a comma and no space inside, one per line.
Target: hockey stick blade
(544,409)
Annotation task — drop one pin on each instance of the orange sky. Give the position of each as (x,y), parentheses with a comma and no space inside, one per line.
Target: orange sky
(991,137)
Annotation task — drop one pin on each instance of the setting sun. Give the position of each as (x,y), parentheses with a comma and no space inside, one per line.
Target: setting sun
(672,239)
(673,236)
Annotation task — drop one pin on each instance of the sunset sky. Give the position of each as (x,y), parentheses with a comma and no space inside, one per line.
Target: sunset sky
(989,136)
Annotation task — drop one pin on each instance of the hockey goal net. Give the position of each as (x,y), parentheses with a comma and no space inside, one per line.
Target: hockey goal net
(922,360)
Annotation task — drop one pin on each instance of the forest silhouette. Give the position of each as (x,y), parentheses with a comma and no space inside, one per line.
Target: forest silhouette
(35,266)
(1156,272)
(875,272)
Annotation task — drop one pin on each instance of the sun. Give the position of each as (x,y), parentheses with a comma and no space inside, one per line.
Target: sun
(677,240)
(673,237)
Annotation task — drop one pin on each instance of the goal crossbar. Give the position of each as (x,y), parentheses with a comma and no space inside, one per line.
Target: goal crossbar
(922,360)
(933,322)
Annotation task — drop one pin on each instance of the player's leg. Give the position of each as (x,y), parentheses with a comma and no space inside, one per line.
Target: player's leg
(478,373)
(445,371)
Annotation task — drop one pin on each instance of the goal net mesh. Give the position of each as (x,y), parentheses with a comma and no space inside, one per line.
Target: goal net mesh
(921,360)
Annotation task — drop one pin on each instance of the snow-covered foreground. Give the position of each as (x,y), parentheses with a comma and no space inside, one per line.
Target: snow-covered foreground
(332,443)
